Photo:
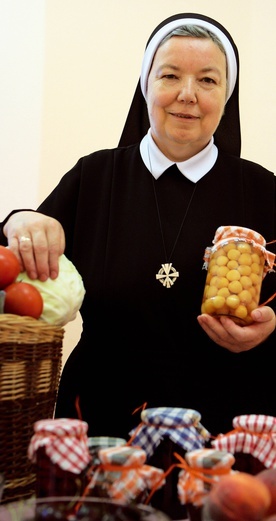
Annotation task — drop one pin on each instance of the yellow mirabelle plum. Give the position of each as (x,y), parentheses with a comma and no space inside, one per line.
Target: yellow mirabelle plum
(232,264)
(233,301)
(245,297)
(235,287)
(245,258)
(241,311)
(246,282)
(244,247)
(233,275)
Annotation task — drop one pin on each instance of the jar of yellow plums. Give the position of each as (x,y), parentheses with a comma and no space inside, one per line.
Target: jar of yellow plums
(236,265)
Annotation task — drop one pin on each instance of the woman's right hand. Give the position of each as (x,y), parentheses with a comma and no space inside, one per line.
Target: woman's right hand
(38,241)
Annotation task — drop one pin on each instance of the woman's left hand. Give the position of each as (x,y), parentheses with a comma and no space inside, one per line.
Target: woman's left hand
(226,333)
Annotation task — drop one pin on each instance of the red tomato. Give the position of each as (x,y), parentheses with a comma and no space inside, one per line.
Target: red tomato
(21,298)
(9,267)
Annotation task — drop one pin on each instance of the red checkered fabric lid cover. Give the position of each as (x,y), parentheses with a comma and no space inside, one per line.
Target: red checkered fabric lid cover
(65,442)
(253,434)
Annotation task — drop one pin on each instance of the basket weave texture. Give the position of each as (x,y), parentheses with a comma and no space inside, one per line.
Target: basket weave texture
(30,368)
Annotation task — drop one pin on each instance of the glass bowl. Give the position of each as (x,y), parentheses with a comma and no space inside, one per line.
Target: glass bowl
(67,508)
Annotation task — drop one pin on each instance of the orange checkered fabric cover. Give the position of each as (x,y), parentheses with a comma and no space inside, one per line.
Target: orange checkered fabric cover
(204,467)
(226,234)
(123,474)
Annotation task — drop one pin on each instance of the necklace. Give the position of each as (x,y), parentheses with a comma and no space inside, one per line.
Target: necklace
(167,274)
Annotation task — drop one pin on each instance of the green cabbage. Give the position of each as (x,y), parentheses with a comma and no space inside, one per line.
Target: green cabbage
(63,296)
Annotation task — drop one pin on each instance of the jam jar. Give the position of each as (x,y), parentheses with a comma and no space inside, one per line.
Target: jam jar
(236,266)
(59,451)
(162,432)
(122,475)
(201,469)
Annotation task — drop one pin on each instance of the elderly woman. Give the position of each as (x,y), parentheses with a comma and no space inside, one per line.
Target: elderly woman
(135,216)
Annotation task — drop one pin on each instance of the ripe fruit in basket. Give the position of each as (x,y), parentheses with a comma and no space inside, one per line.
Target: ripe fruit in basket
(268,477)
(23,299)
(237,497)
(9,267)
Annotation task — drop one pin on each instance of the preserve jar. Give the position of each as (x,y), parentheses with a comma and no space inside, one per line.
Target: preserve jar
(122,475)
(252,442)
(162,432)
(96,443)
(236,266)
(59,451)
(201,469)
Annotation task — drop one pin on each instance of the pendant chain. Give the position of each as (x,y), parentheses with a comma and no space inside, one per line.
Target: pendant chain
(160,222)
(167,274)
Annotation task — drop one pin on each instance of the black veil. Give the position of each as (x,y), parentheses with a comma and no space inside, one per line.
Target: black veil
(227,136)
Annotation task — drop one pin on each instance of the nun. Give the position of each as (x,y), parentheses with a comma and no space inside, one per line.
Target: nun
(136,220)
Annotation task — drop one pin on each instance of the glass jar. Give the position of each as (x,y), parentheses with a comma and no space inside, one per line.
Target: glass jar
(59,451)
(96,443)
(201,469)
(164,431)
(251,441)
(236,266)
(123,476)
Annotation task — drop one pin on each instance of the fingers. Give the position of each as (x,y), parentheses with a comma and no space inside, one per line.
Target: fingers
(26,254)
(38,241)
(48,249)
(226,333)
(263,314)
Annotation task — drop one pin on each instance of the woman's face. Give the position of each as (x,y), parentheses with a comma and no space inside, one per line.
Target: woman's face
(186,95)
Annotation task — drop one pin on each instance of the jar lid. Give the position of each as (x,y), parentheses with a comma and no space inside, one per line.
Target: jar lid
(65,442)
(252,434)
(229,233)
(61,426)
(105,441)
(226,234)
(255,423)
(204,465)
(209,459)
(182,426)
(126,455)
(170,416)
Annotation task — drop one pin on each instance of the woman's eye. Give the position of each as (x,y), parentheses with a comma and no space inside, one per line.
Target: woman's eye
(169,76)
(208,80)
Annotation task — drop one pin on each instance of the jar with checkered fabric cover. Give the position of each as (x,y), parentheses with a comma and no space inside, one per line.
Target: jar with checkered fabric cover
(252,441)
(60,454)
(200,470)
(236,266)
(96,443)
(122,475)
(162,432)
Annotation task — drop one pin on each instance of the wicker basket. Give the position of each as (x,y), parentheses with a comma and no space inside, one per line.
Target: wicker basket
(30,368)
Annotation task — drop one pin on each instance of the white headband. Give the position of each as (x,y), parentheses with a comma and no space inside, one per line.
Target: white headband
(166,29)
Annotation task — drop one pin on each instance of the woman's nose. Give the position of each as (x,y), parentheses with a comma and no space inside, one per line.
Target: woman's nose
(187,92)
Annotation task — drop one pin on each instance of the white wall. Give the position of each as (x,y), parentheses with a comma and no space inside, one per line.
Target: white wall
(68,73)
